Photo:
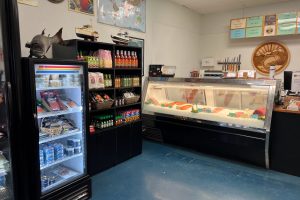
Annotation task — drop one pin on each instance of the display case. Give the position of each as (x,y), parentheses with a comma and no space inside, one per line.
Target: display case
(234,103)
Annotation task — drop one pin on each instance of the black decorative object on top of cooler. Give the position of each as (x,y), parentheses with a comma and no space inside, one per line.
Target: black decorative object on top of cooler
(115,77)
(40,44)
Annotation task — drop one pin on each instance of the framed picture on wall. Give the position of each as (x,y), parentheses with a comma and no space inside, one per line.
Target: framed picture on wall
(130,14)
(82,6)
(138,42)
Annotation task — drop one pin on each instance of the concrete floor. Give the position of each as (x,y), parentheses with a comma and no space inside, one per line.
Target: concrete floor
(167,173)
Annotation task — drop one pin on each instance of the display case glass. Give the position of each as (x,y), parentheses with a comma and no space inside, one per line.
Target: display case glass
(245,104)
(60,100)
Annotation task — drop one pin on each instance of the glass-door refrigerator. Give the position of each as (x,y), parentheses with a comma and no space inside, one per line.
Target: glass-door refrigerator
(56,94)
(9,107)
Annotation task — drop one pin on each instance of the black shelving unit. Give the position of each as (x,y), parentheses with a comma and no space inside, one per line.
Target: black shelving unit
(109,146)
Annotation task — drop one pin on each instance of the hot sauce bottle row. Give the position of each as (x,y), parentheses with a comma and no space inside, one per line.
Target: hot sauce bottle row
(126,59)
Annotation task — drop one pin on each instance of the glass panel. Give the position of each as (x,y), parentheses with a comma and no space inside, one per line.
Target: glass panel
(241,105)
(6,191)
(60,103)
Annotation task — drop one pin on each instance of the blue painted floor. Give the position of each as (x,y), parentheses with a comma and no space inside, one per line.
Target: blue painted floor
(167,173)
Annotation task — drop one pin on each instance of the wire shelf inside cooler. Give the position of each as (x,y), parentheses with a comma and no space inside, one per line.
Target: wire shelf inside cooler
(60,179)
(57,113)
(67,158)
(57,88)
(46,138)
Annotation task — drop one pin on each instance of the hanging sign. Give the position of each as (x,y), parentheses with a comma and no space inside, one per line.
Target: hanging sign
(254,32)
(238,33)
(287,29)
(290,17)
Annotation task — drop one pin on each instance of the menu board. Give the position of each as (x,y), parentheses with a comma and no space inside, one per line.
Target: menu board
(238,23)
(290,17)
(254,32)
(237,33)
(287,29)
(255,21)
(270,25)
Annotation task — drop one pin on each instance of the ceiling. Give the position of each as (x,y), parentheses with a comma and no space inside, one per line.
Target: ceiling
(214,6)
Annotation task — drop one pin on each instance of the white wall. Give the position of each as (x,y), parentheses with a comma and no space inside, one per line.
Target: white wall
(172,34)
(216,42)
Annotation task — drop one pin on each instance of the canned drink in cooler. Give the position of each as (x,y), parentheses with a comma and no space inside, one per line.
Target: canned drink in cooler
(44,181)
(41,157)
(2,181)
(52,180)
(77,150)
(48,155)
(58,151)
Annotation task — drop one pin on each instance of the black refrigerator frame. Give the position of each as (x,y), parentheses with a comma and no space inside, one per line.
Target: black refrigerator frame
(29,123)
(12,56)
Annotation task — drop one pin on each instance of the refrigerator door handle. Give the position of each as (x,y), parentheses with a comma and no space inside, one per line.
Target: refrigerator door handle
(8,100)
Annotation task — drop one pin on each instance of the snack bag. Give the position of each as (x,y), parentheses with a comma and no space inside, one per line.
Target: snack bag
(100,80)
(92,80)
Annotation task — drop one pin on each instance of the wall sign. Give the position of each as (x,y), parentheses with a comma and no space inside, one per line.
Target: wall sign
(290,17)
(255,21)
(269,25)
(268,54)
(238,33)
(254,32)
(287,29)
(238,23)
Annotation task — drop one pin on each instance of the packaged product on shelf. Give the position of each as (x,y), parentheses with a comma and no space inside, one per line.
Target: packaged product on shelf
(48,154)
(74,142)
(76,80)
(93,61)
(51,101)
(69,151)
(57,125)
(92,80)
(41,157)
(58,151)
(117,59)
(105,58)
(102,121)
(127,116)
(77,150)
(99,80)
(122,61)
(67,80)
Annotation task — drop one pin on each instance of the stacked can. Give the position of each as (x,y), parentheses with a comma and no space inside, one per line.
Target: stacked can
(48,154)
(58,151)
(74,147)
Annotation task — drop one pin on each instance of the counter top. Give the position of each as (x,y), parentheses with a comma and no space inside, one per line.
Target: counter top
(282,108)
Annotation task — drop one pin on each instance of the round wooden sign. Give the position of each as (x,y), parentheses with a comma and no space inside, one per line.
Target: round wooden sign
(268,54)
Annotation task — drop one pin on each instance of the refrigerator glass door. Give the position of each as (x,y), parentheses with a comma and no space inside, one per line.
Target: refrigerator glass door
(60,111)
(6,189)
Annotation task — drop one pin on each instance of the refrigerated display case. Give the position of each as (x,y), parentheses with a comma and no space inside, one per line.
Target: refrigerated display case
(245,104)
(58,93)
(227,117)
(9,68)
